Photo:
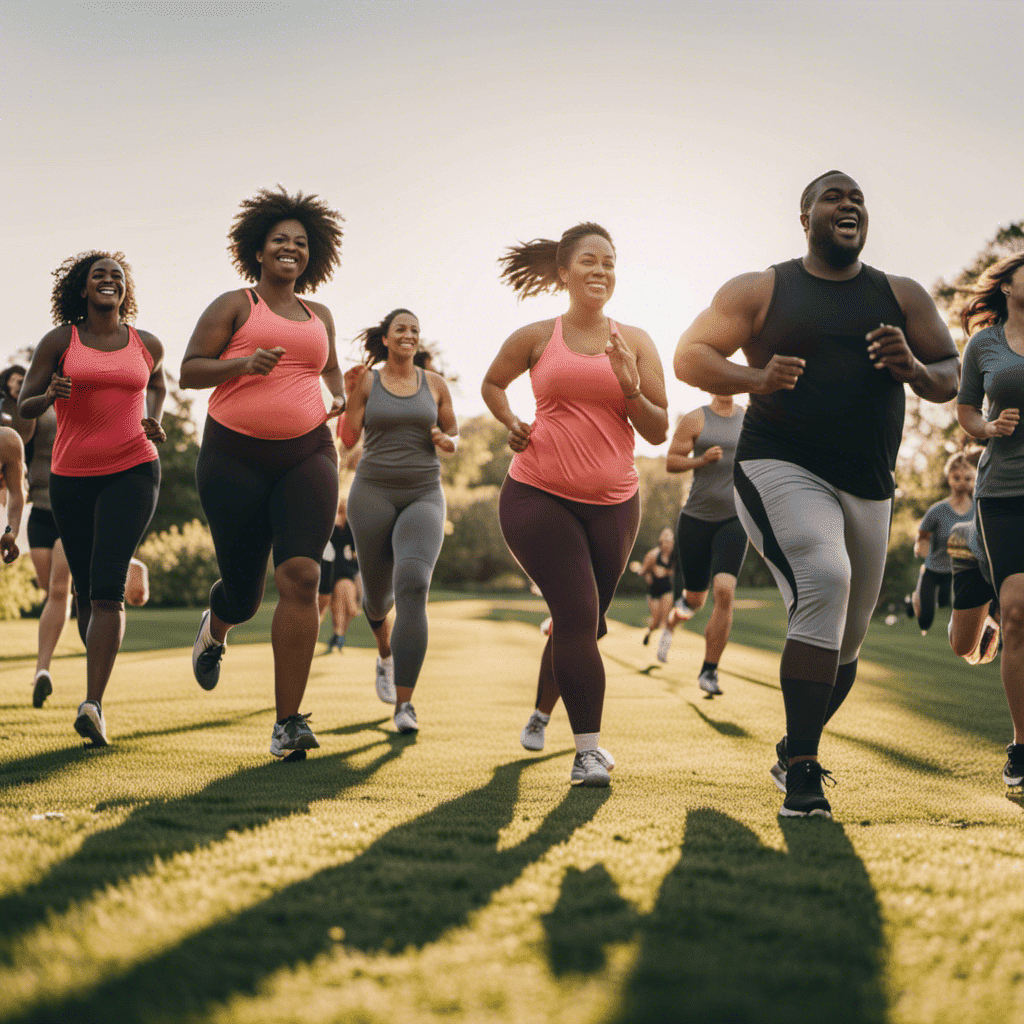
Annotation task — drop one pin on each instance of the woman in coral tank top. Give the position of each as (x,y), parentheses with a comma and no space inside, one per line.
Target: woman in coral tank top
(105,381)
(569,506)
(267,470)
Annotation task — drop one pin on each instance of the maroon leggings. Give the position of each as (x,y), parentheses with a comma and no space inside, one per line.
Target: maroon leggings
(575,553)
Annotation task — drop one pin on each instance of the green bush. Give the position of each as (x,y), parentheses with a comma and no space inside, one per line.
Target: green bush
(18,590)
(182,566)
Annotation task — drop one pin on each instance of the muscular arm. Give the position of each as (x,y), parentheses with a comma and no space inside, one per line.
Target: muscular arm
(688,430)
(730,323)
(933,367)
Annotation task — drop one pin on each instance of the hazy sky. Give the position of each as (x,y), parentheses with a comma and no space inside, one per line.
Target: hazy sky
(445,131)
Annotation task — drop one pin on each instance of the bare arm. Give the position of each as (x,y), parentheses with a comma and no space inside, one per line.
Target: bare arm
(687,431)
(358,380)
(12,458)
(637,367)
(923,356)
(24,426)
(513,360)
(201,366)
(730,323)
(156,389)
(42,386)
(975,424)
(447,427)
(331,373)
(923,544)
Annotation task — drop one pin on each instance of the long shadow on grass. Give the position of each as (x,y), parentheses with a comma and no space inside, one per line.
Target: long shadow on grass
(746,934)
(722,728)
(162,829)
(900,758)
(405,890)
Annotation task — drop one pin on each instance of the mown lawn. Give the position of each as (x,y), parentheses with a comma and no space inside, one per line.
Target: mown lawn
(183,875)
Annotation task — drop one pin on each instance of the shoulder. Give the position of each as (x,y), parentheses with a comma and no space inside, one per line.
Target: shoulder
(981,342)
(10,445)
(636,336)
(152,343)
(322,312)
(909,294)
(230,302)
(541,331)
(692,421)
(56,341)
(436,382)
(748,293)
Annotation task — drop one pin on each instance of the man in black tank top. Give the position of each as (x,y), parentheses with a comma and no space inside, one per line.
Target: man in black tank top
(830,343)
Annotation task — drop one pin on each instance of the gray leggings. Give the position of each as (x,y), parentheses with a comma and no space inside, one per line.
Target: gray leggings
(398,533)
(826,549)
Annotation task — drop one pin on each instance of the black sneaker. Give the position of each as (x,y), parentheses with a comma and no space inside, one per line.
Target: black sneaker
(1013,771)
(206,660)
(778,770)
(804,795)
(908,606)
(41,688)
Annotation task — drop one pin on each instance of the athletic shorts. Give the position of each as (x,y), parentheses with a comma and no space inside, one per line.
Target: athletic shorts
(970,588)
(333,571)
(659,586)
(42,530)
(1001,529)
(704,549)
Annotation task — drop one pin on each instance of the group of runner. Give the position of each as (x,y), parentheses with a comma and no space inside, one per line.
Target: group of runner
(806,473)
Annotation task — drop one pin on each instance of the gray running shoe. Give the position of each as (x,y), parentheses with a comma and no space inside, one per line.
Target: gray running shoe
(405,718)
(778,770)
(708,682)
(664,643)
(90,724)
(292,734)
(532,736)
(42,688)
(1013,771)
(386,680)
(206,660)
(590,769)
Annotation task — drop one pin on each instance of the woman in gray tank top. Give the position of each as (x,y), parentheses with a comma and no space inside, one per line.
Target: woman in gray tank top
(45,549)
(396,506)
(710,540)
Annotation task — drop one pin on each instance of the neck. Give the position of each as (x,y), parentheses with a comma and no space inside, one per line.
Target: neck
(399,366)
(722,405)
(275,293)
(585,316)
(1014,323)
(102,321)
(815,264)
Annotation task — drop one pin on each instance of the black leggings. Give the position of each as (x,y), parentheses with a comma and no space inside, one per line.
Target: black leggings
(575,553)
(261,495)
(101,520)
(933,587)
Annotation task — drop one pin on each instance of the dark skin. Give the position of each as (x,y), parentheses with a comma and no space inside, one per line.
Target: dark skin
(922,356)
(100,623)
(283,258)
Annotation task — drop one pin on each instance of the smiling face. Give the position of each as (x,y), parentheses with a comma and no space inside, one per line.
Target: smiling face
(105,286)
(403,337)
(837,221)
(666,541)
(961,479)
(285,251)
(590,275)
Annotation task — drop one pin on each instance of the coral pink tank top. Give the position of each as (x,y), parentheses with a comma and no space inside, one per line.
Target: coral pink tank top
(581,445)
(99,428)
(288,401)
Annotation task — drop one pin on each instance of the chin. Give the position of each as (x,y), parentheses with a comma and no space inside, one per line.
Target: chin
(840,256)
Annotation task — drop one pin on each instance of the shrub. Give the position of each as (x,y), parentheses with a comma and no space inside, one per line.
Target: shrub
(182,566)
(18,590)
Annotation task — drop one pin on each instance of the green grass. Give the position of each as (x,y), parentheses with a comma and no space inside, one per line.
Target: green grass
(182,875)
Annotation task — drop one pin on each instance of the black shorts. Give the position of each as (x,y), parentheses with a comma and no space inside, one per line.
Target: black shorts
(970,588)
(332,572)
(659,586)
(42,529)
(705,549)
(1001,527)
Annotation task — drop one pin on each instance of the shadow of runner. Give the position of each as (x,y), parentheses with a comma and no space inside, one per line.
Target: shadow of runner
(745,934)
(406,889)
(722,728)
(162,829)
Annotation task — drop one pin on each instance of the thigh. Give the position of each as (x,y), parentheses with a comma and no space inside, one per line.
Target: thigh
(302,505)
(866,533)
(1001,528)
(419,528)
(728,548)
(611,534)
(73,501)
(42,563)
(693,552)
(372,515)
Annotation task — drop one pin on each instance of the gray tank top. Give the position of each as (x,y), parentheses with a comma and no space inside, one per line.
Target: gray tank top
(397,449)
(711,496)
(42,452)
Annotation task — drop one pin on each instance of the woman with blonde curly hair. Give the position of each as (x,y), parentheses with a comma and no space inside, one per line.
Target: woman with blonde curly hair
(267,470)
(105,380)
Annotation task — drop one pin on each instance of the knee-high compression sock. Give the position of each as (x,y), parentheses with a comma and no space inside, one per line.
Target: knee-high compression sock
(806,704)
(845,675)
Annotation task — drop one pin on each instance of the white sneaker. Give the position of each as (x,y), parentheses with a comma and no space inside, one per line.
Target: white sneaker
(292,734)
(405,718)
(90,724)
(545,627)
(532,736)
(386,679)
(708,682)
(682,612)
(664,643)
(590,769)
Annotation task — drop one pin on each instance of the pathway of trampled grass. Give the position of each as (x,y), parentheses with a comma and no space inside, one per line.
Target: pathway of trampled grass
(191,878)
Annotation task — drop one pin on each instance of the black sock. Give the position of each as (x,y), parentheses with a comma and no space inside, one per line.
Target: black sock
(845,676)
(708,666)
(806,703)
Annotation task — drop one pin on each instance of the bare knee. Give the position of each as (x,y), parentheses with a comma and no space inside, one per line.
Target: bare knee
(695,599)
(298,579)
(1012,622)
(724,594)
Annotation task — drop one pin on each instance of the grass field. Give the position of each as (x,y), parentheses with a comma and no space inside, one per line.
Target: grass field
(183,875)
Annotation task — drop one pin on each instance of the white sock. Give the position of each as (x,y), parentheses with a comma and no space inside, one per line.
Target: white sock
(206,637)
(540,714)
(389,660)
(586,741)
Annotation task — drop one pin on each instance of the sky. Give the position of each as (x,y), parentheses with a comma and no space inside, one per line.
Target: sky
(446,131)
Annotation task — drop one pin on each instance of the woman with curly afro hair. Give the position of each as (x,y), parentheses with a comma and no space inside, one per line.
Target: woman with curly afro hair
(105,381)
(569,507)
(268,470)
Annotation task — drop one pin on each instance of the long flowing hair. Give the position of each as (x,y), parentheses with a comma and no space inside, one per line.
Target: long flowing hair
(987,304)
(532,267)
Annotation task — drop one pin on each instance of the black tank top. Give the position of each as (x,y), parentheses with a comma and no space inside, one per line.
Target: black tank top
(844,419)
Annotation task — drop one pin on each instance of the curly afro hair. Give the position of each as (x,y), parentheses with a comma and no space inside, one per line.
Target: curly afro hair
(67,305)
(262,211)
